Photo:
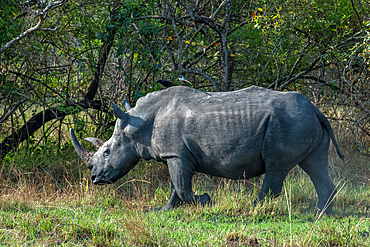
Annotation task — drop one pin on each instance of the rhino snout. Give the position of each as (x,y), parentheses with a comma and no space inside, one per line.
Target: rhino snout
(100,180)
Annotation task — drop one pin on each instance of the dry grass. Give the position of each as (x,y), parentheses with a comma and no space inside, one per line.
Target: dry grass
(54,203)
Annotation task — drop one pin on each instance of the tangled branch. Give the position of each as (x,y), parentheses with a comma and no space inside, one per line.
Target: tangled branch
(41,14)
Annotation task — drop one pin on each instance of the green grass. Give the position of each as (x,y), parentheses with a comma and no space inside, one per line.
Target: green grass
(50,201)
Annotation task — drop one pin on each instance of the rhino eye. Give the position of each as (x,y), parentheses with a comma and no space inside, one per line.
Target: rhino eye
(106,152)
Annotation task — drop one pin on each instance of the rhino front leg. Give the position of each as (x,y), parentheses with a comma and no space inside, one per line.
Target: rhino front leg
(181,172)
(272,184)
(175,200)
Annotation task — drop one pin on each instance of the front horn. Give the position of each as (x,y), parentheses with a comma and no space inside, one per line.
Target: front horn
(83,153)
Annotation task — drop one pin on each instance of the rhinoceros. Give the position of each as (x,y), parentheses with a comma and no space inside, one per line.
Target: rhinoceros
(235,135)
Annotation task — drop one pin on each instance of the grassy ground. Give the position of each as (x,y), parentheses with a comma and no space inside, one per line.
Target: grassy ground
(49,201)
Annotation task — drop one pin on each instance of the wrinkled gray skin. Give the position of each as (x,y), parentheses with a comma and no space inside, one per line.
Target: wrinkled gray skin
(235,135)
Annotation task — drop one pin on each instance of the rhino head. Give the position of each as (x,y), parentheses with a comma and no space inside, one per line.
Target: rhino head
(113,158)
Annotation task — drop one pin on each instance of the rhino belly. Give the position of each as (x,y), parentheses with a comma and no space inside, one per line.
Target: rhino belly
(234,159)
(246,167)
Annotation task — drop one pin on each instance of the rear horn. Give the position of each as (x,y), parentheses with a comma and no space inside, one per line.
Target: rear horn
(126,105)
(118,112)
(95,141)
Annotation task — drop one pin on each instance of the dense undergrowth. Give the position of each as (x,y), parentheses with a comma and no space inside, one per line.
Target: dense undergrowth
(49,200)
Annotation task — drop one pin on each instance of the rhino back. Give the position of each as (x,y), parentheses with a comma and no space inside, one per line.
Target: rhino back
(224,134)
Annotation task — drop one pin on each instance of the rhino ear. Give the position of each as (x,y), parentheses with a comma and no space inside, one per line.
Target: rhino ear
(118,112)
(95,141)
(126,105)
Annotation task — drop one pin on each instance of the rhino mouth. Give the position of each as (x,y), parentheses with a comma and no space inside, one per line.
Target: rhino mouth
(101,180)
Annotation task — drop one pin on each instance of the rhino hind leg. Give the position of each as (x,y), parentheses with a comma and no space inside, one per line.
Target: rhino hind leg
(316,166)
(181,188)
(324,187)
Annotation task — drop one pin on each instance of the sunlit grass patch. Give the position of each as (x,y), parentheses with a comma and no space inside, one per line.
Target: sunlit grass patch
(43,206)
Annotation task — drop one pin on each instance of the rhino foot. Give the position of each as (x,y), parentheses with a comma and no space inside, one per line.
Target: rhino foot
(203,200)
(175,202)
(172,205)
(168,207)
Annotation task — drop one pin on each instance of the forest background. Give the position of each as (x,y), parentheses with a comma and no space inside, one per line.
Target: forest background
(62,62)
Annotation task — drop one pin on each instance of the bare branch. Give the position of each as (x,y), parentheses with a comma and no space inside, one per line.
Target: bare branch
(303,73)
(59,112)
(41,15)
(289,79)
(318,79)
(366,16)
(202,19)
(219,7)
(298,60)
(357,15)
(49,29)
(167,18)
(201,73)
(226,60)
(3,119)
(103,55)
(56,92)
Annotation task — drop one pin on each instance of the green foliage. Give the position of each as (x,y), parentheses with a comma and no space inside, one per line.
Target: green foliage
(9,27)
(319,48)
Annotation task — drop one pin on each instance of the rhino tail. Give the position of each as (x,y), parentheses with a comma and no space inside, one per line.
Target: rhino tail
(324,121)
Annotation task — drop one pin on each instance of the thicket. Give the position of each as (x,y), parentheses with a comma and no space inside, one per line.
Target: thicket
(62,62)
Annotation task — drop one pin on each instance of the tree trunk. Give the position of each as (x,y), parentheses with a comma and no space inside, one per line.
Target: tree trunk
(37,121)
